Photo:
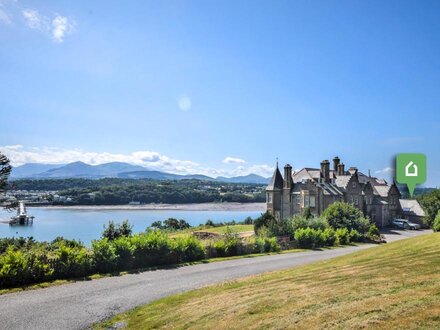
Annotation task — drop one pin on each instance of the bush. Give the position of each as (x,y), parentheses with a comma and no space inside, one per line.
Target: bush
(266,244)
(152,248)
(329,236)
(104,257)
(373,232)
(344,215)
(112,231)
(248,221)
(124,249)
(71,261)
(355,236)
(436,224)
(342,236)
(189,248)
(309,238)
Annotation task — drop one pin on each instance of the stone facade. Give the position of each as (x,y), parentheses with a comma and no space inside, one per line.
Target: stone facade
(317,188)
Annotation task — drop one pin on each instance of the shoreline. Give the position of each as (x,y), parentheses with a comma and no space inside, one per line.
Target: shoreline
(166,207)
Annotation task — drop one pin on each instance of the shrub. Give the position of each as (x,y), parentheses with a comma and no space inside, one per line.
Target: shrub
(209,223)
(152,248)
(329,236)
(344,215)
(189,248)
(112,231)
(355,236)
(309,238)
(266,244)
(297,222)
(13,268)
(248,221)
(104,257)
(373,232)
(436,224)
(124,249)
(342,236)
(71,261)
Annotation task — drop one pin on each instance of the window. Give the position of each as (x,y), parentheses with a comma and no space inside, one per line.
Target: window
(298,199)
(353,184)
(356,201)
(312,201)
(269,198)
(306,200)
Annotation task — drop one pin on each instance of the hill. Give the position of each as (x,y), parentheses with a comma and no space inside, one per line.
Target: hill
(115,170)
(392,286)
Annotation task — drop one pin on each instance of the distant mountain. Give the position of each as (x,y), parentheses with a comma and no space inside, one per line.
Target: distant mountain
(250,178)
(115,170)
(31,169)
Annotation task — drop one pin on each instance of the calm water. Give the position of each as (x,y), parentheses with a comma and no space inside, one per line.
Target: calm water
(86,225)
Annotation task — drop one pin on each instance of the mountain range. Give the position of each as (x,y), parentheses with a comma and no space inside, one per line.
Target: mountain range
(115,170)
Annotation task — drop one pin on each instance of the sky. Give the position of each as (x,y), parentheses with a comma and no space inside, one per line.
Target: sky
(221,87)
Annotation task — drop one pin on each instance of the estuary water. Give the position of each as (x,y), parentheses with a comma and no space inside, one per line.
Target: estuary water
(87,224)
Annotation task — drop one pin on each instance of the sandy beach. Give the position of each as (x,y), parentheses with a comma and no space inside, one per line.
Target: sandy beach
(182,207)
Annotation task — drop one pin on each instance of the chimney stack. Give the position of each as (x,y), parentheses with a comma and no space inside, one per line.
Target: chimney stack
(287,176)
(325,170)
(336,162)
(341,169)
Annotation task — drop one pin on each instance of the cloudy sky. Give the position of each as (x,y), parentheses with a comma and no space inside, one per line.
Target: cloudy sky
(220,88)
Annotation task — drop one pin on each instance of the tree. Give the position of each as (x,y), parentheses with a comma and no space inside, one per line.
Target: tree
(436,225)
(344,215)
(431,205)
(307,213)
(5,171)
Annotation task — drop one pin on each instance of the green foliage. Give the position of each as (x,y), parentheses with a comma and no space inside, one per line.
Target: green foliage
(71,261)
(373,232)
(344,215)
(118,191)
(431,205)
(307,213)
(5,171)
(188,248)
(329,236)
(309,238)
(355,236)
(248,221)
(342,236)
(299,221)
(268,220)
(112,231)
(152,248)
(266,244)
(436,225)
(105,259)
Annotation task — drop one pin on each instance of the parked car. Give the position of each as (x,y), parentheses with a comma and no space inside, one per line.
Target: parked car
(405,224)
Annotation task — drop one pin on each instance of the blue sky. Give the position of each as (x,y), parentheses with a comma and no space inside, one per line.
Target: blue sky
(183,85)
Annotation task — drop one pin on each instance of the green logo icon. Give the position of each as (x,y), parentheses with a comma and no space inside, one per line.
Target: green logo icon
(411,170)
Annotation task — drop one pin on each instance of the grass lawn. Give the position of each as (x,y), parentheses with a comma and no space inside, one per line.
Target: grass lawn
(233,229)
(394,285)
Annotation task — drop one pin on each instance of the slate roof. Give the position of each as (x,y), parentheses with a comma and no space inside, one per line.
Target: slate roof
(381,190)
(342,180)
(329,189)
(306,173)
(277,180)
(411,206)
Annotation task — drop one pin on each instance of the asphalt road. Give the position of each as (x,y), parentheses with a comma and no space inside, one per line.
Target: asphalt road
(81,304)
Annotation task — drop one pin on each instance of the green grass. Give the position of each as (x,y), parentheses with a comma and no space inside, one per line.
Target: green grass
(233,229)
(391,286)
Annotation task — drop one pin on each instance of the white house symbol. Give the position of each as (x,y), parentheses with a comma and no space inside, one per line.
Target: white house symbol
(415,171)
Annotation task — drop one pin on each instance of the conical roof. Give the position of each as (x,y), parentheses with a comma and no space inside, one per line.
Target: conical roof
(277,180)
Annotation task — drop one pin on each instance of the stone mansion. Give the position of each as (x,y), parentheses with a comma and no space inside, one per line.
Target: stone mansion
(318,188)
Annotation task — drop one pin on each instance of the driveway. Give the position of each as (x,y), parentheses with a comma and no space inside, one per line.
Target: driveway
(81,304)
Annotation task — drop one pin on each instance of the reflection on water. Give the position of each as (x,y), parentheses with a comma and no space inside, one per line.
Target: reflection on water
(87,224)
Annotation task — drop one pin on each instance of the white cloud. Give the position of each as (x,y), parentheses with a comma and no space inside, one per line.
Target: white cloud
(61,26)
(184,103)
(386,170)
(33,19)
(4,17)
(232,160)
(152,160)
